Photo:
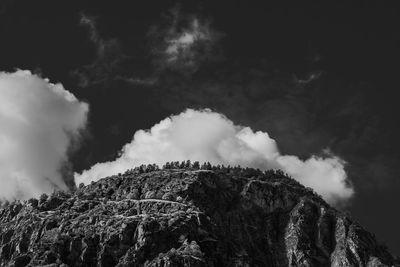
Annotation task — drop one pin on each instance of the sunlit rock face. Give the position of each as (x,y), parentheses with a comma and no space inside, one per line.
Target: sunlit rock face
(185,216)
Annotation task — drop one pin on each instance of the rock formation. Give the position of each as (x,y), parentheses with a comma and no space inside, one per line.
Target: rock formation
(185,217)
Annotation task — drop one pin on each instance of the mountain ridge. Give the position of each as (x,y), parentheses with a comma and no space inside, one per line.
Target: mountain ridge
(186,215)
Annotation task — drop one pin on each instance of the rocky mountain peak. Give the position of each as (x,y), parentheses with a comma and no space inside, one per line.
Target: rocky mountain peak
(185,215)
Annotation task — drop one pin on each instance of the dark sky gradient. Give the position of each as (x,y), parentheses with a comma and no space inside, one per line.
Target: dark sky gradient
(251,75)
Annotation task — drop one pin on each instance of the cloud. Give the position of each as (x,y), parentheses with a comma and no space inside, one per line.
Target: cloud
(90,23)
(180,45)
(185,43)
(39,123)
(109,56)
(203,135)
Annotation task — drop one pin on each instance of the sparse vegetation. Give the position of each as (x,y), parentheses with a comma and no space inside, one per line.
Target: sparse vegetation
(188,165)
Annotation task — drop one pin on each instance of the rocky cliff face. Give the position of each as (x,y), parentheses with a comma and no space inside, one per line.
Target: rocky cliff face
(185,217)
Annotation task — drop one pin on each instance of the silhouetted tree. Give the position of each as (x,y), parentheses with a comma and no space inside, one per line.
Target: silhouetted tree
(196,165)
(188,164)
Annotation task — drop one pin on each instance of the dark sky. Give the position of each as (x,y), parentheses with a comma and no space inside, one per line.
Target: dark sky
(312,75)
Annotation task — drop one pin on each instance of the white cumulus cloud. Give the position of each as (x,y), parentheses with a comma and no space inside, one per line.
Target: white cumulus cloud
(203,135)
(38,123)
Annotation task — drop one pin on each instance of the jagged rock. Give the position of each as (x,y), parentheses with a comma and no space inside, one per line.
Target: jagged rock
(150,194)
(185,217)
(168,196)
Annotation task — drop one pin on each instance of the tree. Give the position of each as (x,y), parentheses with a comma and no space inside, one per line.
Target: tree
(196,165)
(188,164)
(204,166)
(182,165)
(166,166)
(209,167)
(43,197)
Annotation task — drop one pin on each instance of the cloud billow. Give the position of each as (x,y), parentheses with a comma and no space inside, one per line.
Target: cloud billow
(203,135)
(39,123)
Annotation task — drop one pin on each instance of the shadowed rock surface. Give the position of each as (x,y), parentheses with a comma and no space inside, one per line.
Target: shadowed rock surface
(185,217)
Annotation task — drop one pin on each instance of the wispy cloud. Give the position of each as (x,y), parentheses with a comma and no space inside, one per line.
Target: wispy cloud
(185,43)
(108,57)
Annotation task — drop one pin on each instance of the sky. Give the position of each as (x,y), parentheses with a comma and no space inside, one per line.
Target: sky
(313,84)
